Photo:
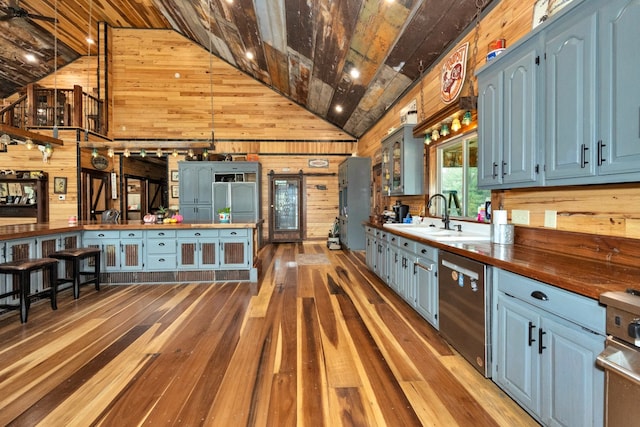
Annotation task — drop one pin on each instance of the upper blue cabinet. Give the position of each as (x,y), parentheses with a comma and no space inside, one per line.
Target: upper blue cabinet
(562,106)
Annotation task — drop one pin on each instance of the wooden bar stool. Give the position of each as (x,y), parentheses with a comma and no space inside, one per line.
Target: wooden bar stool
(21,271)
(75,256)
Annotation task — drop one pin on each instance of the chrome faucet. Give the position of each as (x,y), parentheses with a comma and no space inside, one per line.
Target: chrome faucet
(445,215)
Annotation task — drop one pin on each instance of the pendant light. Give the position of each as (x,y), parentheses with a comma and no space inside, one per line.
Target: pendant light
(213,145)
(55,70)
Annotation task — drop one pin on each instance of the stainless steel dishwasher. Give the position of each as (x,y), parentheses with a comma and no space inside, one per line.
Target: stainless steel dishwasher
(464,304)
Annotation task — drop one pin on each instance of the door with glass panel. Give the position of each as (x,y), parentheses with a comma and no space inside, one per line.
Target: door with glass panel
(285,208)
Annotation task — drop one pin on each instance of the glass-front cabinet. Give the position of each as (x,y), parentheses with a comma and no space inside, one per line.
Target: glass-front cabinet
(402,163)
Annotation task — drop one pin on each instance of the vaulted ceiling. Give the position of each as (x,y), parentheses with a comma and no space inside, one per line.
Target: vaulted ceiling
(304,49)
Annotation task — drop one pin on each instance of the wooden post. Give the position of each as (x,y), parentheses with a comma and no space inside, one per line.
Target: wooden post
(77,116)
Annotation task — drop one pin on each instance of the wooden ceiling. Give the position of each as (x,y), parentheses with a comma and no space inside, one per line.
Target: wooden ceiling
(303,49)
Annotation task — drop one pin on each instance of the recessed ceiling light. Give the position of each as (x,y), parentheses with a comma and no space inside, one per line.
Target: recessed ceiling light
(355,73)
(30,57)
(339,108)
(249,55)
(90,40)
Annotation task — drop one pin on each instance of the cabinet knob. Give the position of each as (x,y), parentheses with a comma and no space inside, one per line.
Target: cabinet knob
(161,244)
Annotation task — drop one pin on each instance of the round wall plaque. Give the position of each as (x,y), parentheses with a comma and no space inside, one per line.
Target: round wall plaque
(100,162)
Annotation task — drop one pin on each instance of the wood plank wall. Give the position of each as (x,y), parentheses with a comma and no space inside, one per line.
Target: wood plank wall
(606,209)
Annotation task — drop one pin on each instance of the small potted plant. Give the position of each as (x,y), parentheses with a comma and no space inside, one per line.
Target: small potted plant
(224,214)
(160,213)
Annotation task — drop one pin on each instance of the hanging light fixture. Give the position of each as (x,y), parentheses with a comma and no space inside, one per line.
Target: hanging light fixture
(126,153)
(55,70)
(213,145)
(435,135)
(94,153)
(110,152)
(190,153)
(467,118)
(159,152)
(143,153)
(445,130)
(28,143)
(174,153)
(455,124)
(427,138)
(5,140)
(205,154)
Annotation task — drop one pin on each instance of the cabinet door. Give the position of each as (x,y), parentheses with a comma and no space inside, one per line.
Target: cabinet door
(427,290)
(572,385)
(386,168)
(490,129)
(370,250)
(407,281)
(570,99)
(243,202)
(619,98)
(130,255)
(234,253)
(519,157)
(517,365)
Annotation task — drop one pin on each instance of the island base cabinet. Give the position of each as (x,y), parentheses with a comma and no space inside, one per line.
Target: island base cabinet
(544,361)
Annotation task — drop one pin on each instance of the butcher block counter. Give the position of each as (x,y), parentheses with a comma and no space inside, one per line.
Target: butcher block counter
(585,264)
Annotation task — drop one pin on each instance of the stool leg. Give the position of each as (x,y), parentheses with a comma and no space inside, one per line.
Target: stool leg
(76,277)
(53,284)
(96,261)
(24,279)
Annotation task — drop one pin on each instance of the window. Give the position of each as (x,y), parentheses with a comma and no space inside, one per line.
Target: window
(458,177)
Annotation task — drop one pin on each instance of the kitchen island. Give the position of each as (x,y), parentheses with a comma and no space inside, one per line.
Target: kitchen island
(135,252)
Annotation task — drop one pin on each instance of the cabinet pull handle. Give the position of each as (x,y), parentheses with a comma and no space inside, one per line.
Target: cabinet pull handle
(131,234)
(494,173)
(424,251)
(161,244)
(100,235)
(583,156)
(601,158)
(540,346)
(540,295)
(197,234)
(531,328)
(233,233)
(161,260)
(405,244)
(504,169)
(160,234)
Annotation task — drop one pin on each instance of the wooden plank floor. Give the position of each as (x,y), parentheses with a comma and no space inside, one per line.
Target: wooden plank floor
(320,344)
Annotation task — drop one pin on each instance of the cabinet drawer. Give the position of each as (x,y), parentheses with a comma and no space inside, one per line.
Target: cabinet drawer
(98,234)
(197,233)
(570,306)
(240,232)
(162,262)
(161,233)
(428,252)
(131,234)
(161,246)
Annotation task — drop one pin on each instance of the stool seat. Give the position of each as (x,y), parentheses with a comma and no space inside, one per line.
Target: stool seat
(21,271)
(75,257)
(29,264)
(75,252)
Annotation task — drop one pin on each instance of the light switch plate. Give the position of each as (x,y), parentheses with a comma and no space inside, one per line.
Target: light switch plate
(550,219)
(519,216)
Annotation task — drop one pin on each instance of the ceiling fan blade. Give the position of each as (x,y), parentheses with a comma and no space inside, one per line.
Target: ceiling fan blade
(41,17)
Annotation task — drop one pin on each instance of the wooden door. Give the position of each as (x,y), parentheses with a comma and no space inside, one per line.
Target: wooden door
(285,208)
(96,193)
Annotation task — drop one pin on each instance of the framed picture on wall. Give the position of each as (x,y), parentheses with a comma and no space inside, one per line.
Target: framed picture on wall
(174,191)
(175,176)
(60,185)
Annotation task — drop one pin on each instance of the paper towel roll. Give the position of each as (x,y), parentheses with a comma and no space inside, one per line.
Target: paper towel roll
(500,217)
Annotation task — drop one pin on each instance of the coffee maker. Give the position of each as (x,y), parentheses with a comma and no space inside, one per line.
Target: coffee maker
(401,211)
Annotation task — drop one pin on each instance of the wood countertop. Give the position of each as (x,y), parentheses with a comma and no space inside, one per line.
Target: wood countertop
(584,276)
(33,230)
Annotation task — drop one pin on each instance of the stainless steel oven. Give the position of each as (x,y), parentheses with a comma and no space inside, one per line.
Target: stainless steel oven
(621,358)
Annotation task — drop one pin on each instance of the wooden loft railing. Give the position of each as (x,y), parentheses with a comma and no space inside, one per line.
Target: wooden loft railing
(36,108)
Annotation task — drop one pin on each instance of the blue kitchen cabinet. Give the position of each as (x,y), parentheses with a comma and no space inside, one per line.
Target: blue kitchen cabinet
(196,192)
(160,251)
(198,249)
(402,163)
(234,249)
(570,98)
(426,282)
(121,250)
(370,247)
(508,119)
(354,199)
(545,345)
